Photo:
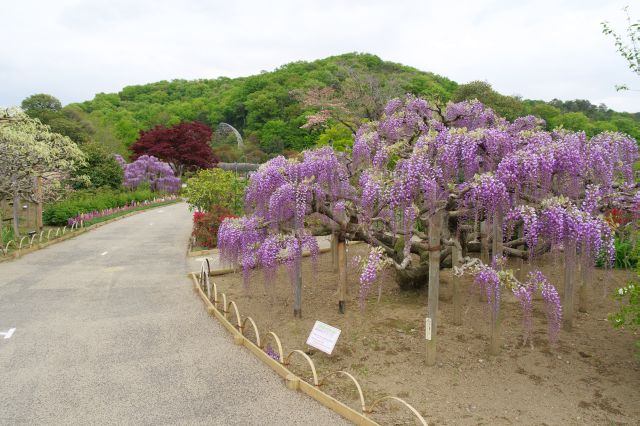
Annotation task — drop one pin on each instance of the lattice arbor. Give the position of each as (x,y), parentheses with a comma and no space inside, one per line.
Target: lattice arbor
(224,130)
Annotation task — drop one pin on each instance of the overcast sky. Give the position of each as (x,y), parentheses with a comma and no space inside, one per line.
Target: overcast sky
(74,49)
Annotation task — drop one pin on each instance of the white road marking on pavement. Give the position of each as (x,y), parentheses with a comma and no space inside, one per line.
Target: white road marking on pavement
(8,334)
(104,253)
(160,211)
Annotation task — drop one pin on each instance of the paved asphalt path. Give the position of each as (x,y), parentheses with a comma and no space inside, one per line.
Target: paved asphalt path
(109,331)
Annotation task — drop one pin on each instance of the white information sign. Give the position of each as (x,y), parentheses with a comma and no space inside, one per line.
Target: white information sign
(427,329)
(323,337)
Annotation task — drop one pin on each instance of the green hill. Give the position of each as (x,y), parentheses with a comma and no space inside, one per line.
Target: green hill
(269,108)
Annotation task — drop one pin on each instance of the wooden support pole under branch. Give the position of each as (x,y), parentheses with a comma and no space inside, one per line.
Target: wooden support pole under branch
(342,273)
(497,243)
(39,196)
(498,248)
(297,288)
(334,252)
(431,332)
(456,257)
(569,278)
(587,278)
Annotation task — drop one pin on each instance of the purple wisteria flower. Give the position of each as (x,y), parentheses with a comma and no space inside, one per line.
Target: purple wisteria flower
(148,169)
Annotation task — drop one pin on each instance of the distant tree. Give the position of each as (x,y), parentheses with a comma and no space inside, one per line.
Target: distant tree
(473,90)
(49,111)
(41,101)
(361,97)
(575,121)
(273,135)
(548,113)
(184,146)
(337,136)
(629,49)
(101,168)
(509,107)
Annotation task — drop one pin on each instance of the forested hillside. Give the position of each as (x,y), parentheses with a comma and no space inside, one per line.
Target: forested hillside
(278,111)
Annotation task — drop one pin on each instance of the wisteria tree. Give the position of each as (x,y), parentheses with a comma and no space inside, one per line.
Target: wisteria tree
(427,183)
(150,170)
(35,162)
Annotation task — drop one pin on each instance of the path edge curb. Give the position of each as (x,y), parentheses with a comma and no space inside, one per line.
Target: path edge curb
(301,385)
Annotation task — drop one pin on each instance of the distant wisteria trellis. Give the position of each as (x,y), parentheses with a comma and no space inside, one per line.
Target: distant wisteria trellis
(148,169)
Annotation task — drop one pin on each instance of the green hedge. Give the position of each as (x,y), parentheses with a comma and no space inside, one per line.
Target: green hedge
(58,214)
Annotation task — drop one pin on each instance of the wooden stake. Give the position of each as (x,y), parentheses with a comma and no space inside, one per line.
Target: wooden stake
(583,294)
(457,294)
(16,216)
(520,272)
(435,228)
(297,289)
(484,252)
(497,244)
(342,268)
(334,252)
(39,223)
(498,249)
(484,243)
(569,275)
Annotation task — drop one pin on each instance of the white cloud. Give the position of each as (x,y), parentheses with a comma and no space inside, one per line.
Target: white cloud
(541,50)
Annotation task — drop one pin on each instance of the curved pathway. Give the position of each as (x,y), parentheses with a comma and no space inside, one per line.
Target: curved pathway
(108,331)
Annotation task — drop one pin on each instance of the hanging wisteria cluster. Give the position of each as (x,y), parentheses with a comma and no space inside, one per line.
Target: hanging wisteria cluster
(472,165)
(548,188)
(279,197)
(148,169)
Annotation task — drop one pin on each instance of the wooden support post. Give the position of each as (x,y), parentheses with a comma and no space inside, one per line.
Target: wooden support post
(498,249)
(521,272)
(16,216)
(39,224)
(484,252)
(342,273)
(297,288)
(484,243)
(569,277)
(583,295)
(497,244)
(1,224)
(457,293)
(334,252)
(435,228)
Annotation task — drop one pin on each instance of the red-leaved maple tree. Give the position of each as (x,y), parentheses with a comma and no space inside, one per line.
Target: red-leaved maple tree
(183,146)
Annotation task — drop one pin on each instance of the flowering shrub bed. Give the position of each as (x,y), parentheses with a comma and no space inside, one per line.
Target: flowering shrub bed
(624,225)
(91,217)
(58,214)
(206,224)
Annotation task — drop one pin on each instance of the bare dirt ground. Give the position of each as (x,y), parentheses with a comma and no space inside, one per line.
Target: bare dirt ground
(591,377)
